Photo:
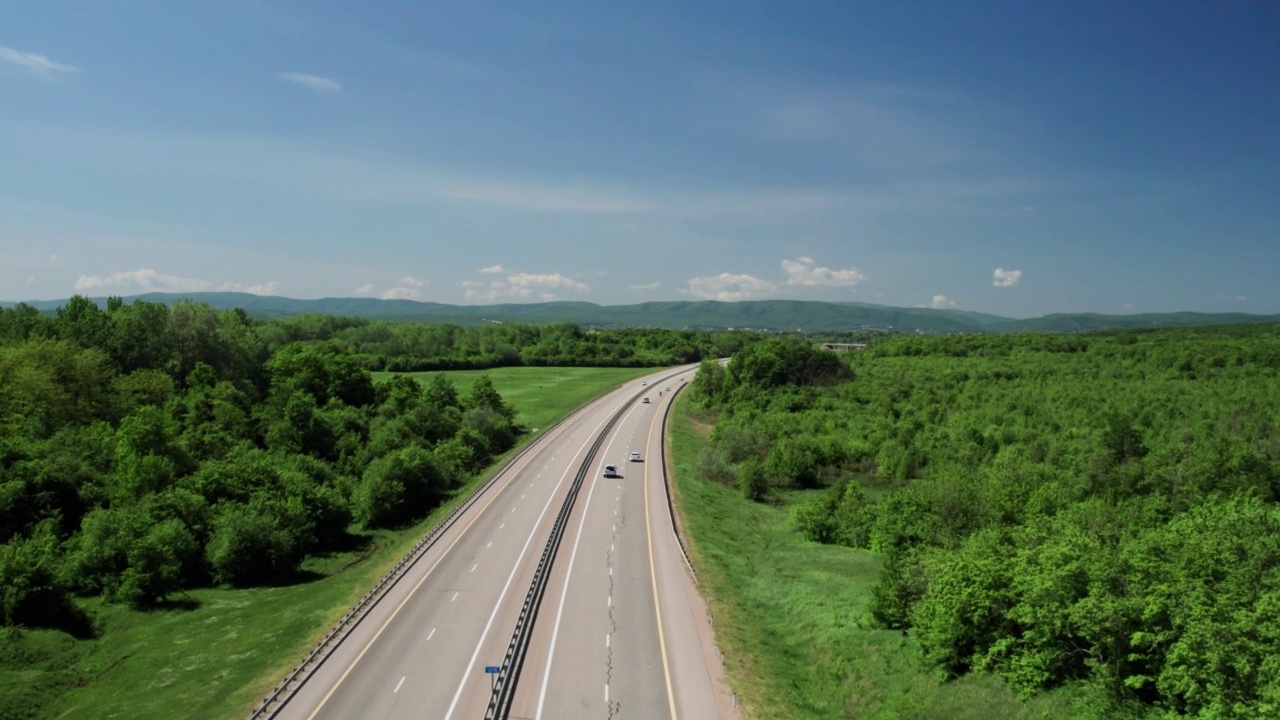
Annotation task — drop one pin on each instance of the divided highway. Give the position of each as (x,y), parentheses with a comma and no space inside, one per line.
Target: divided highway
(620,632)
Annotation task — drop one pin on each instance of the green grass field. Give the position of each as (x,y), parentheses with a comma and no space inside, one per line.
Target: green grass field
(217,652)
(540,394)
(790,616)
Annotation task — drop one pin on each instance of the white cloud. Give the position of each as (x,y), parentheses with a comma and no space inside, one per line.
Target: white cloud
(313,82)
(151,280)
(523,286)
(365,289)
(143,279)
(940,302)
(492,269)
(401,293)
(647,286)
(728,287)
(38,65)
(1241,298)
(410,281)
(266,288)
(1006,278)
(803,271)
(31,279)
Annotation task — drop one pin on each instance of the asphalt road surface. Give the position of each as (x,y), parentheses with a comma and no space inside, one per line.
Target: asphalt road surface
(621,632)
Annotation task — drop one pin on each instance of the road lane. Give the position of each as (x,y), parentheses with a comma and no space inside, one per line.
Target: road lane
(620,598)
(420,651)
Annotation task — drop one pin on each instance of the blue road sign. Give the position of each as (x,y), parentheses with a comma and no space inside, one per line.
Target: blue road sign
(491,669)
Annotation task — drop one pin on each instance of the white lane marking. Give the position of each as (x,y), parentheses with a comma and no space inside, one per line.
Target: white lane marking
(610,572)
(522,497)
(473,567)
(607,637)
(502,526)
(393,692)
(486,547)
(513,509)
(564,594)
(455,597)
(466,675)
(431,634)
(606,693)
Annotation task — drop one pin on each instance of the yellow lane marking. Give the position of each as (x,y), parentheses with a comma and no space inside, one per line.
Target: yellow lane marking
(653,577)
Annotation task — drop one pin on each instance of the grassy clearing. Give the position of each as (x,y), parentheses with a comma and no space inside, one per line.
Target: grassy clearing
(789,616)
(542,395)
(216,652)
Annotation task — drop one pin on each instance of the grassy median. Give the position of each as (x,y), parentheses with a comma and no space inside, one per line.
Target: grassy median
(790,615)
(213,653)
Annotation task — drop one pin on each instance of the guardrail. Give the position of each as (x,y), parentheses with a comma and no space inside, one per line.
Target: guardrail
(285,690)
(666,483)
(504,687)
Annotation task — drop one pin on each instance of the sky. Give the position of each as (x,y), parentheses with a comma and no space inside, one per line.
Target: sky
(1017,158)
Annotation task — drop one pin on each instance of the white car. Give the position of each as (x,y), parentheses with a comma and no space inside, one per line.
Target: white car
(635,456)
(645,401)
(610,470)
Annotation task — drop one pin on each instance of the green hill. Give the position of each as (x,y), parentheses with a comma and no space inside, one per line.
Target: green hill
(778,315)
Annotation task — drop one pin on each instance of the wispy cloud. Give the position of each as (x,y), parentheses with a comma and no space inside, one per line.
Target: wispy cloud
(492,269)
(1006,278)
(641,287)
(38,65)
(806,273)
(363,290)
(152,280)
(728,287)
(524,286)
(266,288)
(401,293)
(313,82)
(411,281)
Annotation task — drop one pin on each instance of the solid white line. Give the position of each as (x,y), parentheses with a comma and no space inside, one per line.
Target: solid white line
(455,597)
(431,634)
(564,594)
(466,675)
(393,692)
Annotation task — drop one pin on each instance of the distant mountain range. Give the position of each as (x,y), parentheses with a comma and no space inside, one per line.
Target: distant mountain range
(789,315)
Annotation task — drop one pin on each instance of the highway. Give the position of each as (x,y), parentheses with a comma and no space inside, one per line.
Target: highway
(621,631)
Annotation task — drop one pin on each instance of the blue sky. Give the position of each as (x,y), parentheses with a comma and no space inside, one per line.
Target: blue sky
(1019,158)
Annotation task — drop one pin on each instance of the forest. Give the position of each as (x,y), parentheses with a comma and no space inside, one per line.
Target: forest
(408,347)
(148,449)
(1096,509)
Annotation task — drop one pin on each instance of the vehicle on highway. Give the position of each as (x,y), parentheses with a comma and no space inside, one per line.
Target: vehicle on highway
(611,471)
(646,401)
(635,456)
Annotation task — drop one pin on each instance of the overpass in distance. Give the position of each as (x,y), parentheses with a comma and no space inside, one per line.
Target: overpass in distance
(573,586)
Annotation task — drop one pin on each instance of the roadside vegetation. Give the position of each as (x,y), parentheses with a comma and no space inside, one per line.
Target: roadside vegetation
(1053,526)
(186,503)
